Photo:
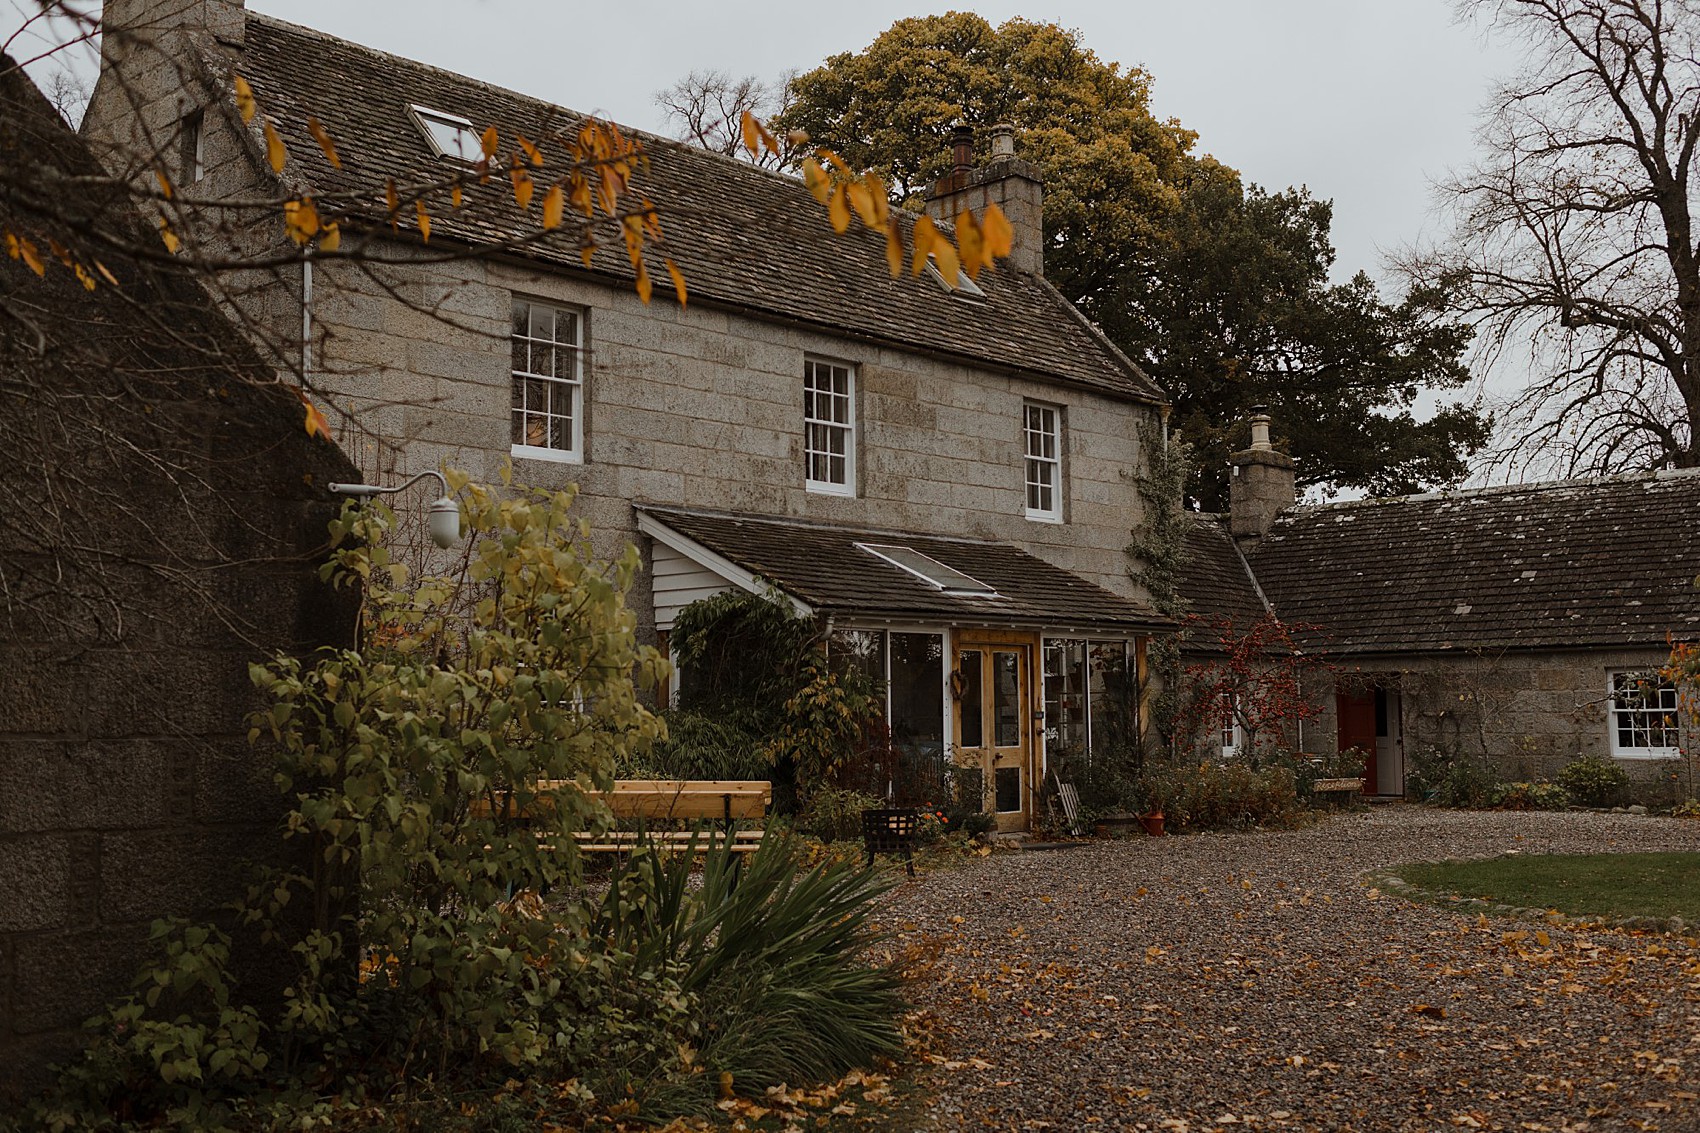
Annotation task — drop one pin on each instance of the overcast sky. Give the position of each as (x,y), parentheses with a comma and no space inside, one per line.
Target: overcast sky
(1365,102)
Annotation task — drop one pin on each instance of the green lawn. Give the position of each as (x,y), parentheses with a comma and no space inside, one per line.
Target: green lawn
(1583,885)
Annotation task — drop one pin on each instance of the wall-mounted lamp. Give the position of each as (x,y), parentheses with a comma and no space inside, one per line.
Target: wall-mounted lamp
(442,517)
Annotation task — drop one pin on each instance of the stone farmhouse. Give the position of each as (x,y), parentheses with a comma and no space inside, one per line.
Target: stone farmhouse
(1522,623)
(945,477)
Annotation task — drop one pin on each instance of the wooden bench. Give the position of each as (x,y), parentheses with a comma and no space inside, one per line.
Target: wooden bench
(1340,790)
(641,802)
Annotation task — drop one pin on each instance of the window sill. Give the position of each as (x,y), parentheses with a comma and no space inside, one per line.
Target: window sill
(820,489)
(553,455)
(1044,517)
(1646,753)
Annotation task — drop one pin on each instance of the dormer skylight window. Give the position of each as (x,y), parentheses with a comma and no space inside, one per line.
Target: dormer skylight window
(450,135)
(948,579)
(966,289)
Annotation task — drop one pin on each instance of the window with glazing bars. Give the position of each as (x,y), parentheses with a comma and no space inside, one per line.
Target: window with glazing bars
(548,382)
(1644,720)
(829,427)
(1042,426)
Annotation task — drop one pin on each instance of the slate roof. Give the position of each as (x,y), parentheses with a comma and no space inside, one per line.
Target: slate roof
(1214,581)
(822,566)
(1579,563)
(743,237)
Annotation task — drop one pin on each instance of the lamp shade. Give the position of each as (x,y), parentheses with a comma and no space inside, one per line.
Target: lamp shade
(444,522)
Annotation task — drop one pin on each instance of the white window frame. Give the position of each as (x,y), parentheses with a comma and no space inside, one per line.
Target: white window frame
(1615,712)
(573,383)
(816,425)
(1230,735)
(465,132)
(1042,470)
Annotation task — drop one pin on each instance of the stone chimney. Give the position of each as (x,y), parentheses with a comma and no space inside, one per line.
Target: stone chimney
(1012,184)
(151,86)
(1261,484)
(127,24)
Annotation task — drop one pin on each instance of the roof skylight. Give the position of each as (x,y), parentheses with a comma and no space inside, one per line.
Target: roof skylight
(450,135)
(965,288)
(948,579)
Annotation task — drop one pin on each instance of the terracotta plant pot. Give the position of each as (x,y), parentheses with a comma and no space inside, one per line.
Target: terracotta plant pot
(1153,823)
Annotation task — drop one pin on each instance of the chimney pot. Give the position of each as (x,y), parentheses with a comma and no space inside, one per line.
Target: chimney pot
(1003,141)
(961,155)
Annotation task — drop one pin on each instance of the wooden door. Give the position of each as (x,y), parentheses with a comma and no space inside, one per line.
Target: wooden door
(993,681)
(1355,714)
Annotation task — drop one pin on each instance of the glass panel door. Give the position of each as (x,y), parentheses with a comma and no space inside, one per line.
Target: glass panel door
(994,726)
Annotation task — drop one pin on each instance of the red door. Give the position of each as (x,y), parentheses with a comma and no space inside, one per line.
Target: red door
(1355,712)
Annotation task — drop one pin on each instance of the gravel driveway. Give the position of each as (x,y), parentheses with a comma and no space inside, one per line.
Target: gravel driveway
(1253,981)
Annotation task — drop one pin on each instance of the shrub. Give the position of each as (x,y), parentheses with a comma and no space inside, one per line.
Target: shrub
(1212,796)
(1449,778)
(774,957)
(700,746)
(1540,795)
(1593,781)
(833,814)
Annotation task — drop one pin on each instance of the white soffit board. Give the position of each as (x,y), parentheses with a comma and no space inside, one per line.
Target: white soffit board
(718,563)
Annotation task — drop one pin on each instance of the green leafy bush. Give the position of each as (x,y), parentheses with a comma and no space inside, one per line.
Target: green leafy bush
(1231,796)
(700,746)
(833,814)
(1452,779)
(1593,781)
(1540,795)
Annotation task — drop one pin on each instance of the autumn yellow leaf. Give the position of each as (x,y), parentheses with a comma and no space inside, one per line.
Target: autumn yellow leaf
(323,137)
(877,195)
(165,234)
(837,210)
(316,424)
(26,252)
(532,153)
(164,182)
(925,236)
(424,221)
(644,287)
(997,233)
(245,105)
(751,133)
(330,237)
(393,199)
(678,281)
(969,243)
(944,255)
(863,202)
(83,277)
(587,250)
(60,252)
(301,220)
(489,142)
(523,187)
(815,178)
(276,153)
(894,247)
(554,203)
(106,273)
(454,194)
